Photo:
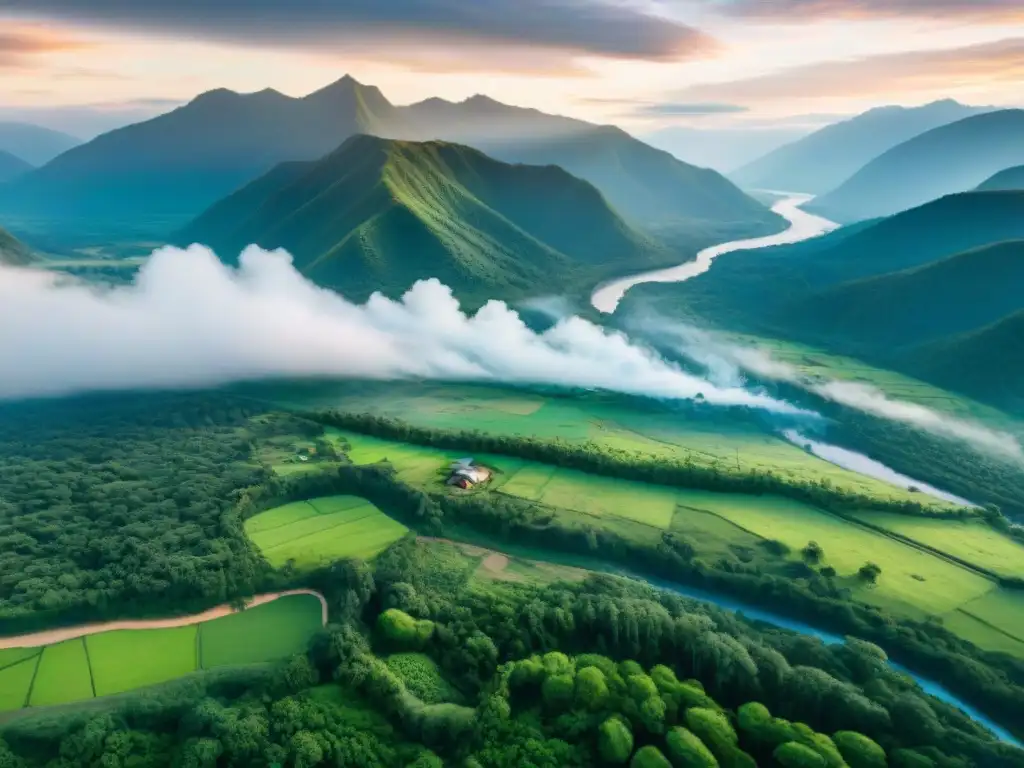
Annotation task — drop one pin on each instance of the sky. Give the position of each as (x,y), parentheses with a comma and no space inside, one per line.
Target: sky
(89,66)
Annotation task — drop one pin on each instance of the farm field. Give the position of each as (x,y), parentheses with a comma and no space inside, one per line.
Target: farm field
(113,662)
(982,634)
(1000,608)
(282,627)
(633,425)
(128,659)
(422,677)
(310,533)
(912,582)
(63,675)
(972,542)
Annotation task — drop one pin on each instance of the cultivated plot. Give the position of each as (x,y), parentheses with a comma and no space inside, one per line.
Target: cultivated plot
(912,582)
(15,682)
(310,533)
(1001,609)
(129,659)
(63,675)
(266,633)
(971,541)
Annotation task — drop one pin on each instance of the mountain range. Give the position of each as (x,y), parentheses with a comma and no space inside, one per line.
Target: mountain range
(12,251)
(820,162)
(724,149)
(11,166)
(952,158)
(378,214)
(33,143)
(1007,179)
(180,163)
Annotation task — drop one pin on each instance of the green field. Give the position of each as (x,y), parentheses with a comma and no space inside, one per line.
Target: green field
(125,660)
(15,682)
(972,542)
(271,631)
(63,675)
(593,494)
(128,659)
(422,678)
(912,582)
(312,533)
(1000,608)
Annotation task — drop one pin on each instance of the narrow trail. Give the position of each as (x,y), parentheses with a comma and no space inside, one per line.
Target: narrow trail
(50,636)
(802,226)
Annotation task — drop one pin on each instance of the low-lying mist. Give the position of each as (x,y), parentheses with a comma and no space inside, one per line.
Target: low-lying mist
(188,320)
(726,364)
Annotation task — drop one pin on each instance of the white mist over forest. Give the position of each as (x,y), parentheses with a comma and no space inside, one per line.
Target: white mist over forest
(188,320)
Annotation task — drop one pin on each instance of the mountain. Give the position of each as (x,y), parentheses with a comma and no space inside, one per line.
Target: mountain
(986,363)
(724,149)
(382,213)
(828,157)
(11,166)
(942,298)
(948,159)
(12,251)
(33,143)
(1010,178)
(181,162)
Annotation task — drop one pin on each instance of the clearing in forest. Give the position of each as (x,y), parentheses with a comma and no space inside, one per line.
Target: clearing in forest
(63,675)
(311,533)
(271,631)
(127,659)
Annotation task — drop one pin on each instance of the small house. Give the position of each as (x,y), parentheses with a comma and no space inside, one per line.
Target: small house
(465,474)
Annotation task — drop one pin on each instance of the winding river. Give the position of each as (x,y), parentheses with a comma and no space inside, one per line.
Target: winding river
(802,226)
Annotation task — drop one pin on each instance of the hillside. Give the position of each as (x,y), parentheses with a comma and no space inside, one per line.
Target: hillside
(181,162)
(822,161)
(952,158)
(986,363)
(724,149)
(33,143)
(954,295)
(178,164)
(1010,178)
(380,214)
(12,251)
(11,167)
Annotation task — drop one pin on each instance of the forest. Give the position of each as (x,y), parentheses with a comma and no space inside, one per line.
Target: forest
(134,506)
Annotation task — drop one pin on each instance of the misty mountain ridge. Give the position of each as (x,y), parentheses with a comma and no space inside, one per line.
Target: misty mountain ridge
(379,214)
(13,252)
(952,158)
(181,162)
(820,162)
(33,143)
(1008,179)
(723,149)
(11,166)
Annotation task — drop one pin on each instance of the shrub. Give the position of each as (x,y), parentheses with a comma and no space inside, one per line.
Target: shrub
(614,741)
(401,630)
(794,755)
(686,749)
(714,729)
(859,751)
(649,757)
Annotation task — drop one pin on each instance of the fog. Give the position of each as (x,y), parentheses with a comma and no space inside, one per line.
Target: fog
(190,321)
(726,363)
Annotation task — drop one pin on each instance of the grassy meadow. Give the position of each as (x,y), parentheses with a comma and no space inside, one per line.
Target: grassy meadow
(310,533)
(114,662)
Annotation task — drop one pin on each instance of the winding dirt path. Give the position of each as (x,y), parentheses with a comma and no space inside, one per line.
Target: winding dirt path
(50,636)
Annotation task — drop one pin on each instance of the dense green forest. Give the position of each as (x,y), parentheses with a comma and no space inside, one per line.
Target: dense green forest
(133,505)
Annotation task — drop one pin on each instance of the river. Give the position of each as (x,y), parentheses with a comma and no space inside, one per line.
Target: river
(802,226)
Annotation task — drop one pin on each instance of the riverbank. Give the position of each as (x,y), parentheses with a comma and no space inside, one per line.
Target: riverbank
(49,637)
(802,226)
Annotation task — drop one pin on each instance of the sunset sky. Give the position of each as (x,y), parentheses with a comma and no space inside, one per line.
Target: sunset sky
(87,65)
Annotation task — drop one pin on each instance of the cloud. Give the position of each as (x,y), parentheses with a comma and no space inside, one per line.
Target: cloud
(936,70)
(611,28)
(725,363)
(17,46)
(639,108)
(189,320)
(812,10)
(89,120)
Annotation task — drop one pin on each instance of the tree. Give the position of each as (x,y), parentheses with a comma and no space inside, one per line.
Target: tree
(685,748)
(870,572)
(591,688)
(858,750)
(615,740)
(813,553)
(401,630)
(649,757)
(795,755)
(557,691)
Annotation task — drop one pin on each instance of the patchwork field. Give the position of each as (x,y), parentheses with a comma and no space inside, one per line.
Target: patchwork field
(1002,609)
(972,542)
(311,533)
(113,662)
